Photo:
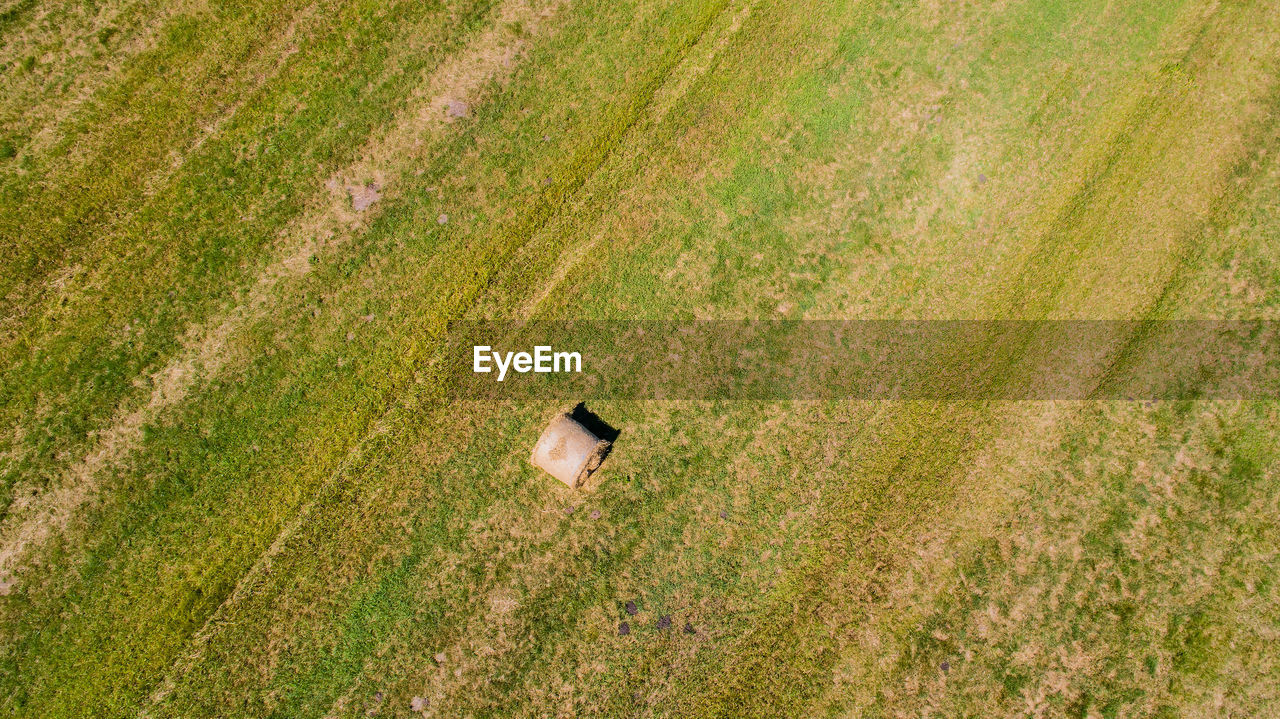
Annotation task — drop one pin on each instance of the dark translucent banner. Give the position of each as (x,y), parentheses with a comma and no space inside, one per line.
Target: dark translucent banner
(890,359)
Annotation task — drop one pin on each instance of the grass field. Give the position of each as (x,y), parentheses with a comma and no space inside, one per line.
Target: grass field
(234,238)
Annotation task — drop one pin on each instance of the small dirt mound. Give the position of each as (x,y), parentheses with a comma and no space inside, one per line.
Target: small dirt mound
(457,109)
(364,197)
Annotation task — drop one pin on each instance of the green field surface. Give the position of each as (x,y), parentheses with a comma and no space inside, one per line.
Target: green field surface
(234,238)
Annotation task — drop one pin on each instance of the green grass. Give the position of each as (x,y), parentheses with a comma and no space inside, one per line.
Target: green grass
(305,522)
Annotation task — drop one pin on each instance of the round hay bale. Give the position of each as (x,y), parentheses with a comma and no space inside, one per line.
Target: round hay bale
(568,451)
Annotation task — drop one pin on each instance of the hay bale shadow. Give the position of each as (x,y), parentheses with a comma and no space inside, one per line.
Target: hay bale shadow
(594,424)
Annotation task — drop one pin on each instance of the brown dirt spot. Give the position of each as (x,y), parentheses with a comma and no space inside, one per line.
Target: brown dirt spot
(365,196)
(457,109)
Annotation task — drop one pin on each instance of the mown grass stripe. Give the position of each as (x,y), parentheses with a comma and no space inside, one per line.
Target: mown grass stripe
(320,522)
(204,251)
(919,467)
(600,150)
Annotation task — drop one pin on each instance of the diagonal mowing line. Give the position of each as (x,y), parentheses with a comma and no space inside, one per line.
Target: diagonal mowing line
(133,41)
(80,136)
(55,124)
(983,416)
(644,110)
(280,50)
(277,55)
(552,203)
(691,69)
(1060,218)
(692,65)
(1192,252)
(489,57)
(900,463)
(200,639)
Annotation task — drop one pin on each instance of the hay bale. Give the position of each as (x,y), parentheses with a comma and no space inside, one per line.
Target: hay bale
(568,451)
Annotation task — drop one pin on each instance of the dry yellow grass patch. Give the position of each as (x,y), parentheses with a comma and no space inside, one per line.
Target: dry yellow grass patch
(76,28)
